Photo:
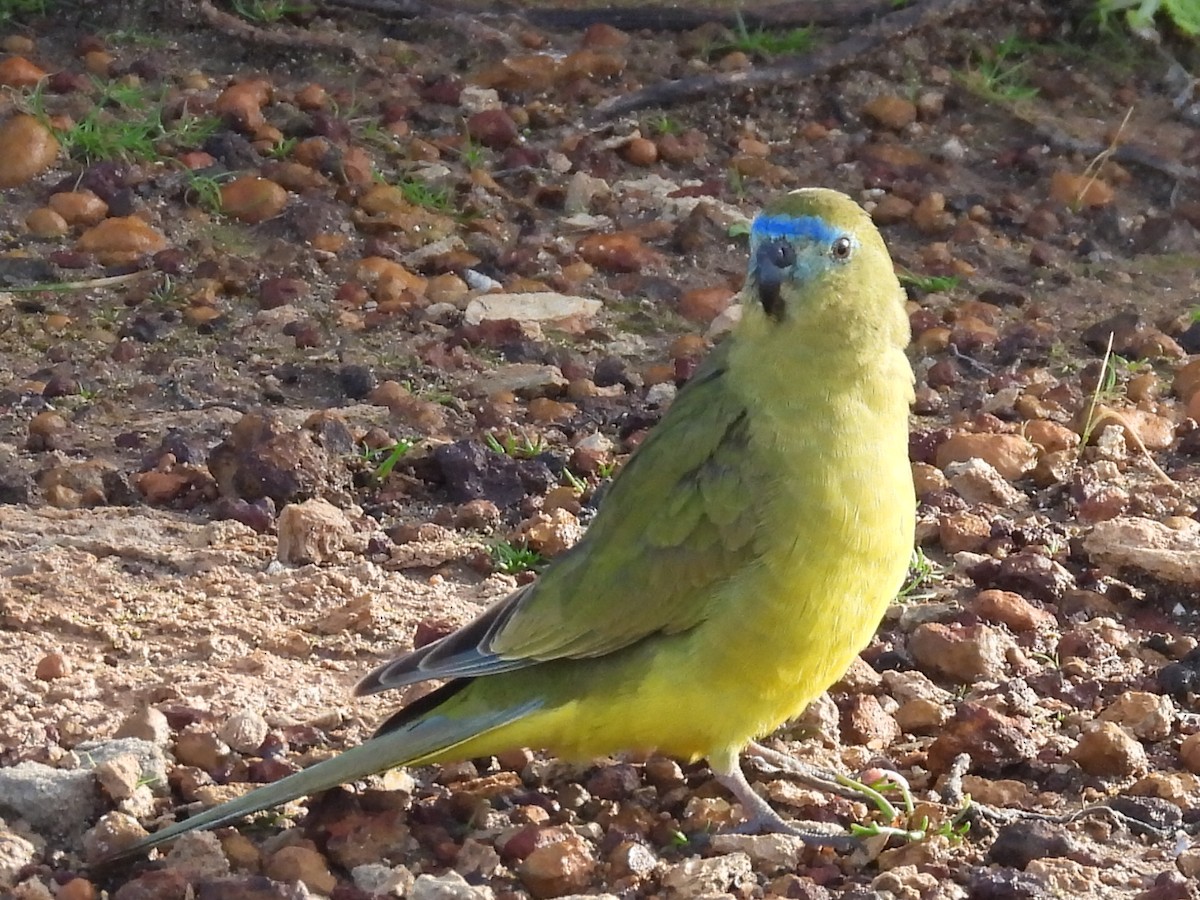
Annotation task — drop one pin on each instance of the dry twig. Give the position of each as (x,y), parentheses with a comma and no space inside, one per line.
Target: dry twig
(812,65)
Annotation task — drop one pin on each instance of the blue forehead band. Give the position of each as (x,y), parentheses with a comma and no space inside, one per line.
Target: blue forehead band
(766,227)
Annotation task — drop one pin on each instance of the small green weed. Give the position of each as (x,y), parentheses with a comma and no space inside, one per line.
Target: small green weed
(107,316)
(737,184)
(1000,78)
(266,12)
(523,447)
(134,38)
(929,284)
(394,454)
(1140,14)
(386,458)
(472,154)
(421,193)
(12,10)
(283,149)
(126,122)
(923,575)
(576,483)
(739,229)
(664,124)
(165,294)
(766,43)
(432,393)
(374,134)
(1050,659)
(205,190)
(512,559)
(1062,359)
(910,829)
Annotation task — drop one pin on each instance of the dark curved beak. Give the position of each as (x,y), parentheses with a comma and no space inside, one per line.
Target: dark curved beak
(768,277)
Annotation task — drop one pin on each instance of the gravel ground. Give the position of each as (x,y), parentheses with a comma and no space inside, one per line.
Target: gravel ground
(263,424)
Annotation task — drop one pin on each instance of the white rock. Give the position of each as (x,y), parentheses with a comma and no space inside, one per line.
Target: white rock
(696,877)
(725,322)
(244,731)
(1145,545)
(375,878)
(977,481)
(600,443)
(769,852)
(311,532)
(525,379)
(545,307)
(661,394)
(450,886)
(475,99)
(15,854)
(581,190)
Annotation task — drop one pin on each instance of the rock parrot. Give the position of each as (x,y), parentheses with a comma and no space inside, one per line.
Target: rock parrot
(741,559)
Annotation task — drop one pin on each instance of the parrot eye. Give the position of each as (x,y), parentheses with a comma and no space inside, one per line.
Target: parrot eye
(841,248)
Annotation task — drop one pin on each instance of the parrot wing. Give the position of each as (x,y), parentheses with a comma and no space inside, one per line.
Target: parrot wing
(679,519)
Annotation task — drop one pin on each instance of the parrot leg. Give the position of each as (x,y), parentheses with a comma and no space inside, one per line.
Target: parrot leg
(833,782)
(810,775)
(762,819)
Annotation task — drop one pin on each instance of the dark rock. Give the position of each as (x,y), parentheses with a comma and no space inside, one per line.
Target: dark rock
(1125,326)
(1016,845)
(1148,815)
(335,128)
(276,292)
(232,150)
(271,769)
(163,884)
(259,460)
(16,271)
(140,329)
(259,515)
(171,261)
(445,89)
(614,782)
(1026,573)
(109,180)
(1168,886)
(357,381)
(923,444)
(1005,884)
(1181,679)
(470,471)
(184,447)
(1189,340)
(16,478)
(332,431)
(611,370)
(992,739)
(493,128)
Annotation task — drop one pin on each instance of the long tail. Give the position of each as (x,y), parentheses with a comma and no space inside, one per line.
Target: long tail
(397,744)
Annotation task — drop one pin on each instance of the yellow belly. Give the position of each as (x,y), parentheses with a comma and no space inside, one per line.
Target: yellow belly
(773,648)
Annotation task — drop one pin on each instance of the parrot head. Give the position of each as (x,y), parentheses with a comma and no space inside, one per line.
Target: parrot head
(818,262)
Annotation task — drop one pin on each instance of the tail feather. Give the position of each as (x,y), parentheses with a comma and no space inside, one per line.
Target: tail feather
(414,743)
